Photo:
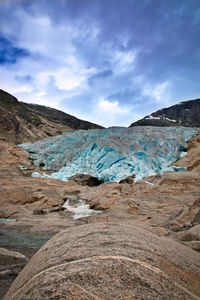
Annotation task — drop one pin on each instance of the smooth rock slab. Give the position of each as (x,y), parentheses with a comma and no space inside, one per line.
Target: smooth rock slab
(107,261)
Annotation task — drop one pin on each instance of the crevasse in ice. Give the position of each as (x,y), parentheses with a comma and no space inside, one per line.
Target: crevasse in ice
(111,154)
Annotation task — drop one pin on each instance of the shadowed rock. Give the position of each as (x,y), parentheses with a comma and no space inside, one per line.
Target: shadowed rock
(86,179)
(128,179)
(107,261)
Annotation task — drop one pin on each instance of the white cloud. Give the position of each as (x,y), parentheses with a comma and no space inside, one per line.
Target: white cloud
(53,64)
(108,113)
(106,106)
(124,61)
(70,78)
(157,91)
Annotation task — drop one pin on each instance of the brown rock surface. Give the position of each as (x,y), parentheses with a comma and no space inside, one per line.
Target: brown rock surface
(169,201)
(109,262)
(192,234)
(34,193)
(10,157)
(13,254)
(192,159)
(103,196)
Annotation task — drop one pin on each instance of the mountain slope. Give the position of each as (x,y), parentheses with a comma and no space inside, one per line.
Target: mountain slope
(61,117)
(22,122)
(186,113)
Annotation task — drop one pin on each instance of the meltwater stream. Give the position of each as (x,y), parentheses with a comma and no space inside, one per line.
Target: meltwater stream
(80,209)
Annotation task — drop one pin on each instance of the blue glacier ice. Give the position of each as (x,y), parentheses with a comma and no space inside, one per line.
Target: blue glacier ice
(111,154)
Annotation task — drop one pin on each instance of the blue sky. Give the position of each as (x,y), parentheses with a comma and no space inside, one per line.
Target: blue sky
(106,61)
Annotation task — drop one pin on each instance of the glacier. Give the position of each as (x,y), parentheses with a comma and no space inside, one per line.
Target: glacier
(111,154)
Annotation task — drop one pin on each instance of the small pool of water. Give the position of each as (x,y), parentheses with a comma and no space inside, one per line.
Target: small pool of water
(17,239)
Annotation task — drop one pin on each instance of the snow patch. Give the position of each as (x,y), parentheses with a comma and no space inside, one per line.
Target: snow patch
(150,117)
(174,121)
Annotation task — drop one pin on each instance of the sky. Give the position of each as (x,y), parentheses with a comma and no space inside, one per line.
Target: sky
(110,62)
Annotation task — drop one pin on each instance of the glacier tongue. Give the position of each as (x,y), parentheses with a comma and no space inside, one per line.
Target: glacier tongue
(111,154)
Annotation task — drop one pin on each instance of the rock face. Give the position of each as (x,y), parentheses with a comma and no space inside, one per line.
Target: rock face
(128,179)
(109,262)
(192,159)
(186,113)
(169,201)
(21,122)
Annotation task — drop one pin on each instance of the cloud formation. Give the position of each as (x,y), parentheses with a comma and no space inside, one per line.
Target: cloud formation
(109,62)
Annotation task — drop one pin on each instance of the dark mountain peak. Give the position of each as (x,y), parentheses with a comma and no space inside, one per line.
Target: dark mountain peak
(185,113)
(4,96)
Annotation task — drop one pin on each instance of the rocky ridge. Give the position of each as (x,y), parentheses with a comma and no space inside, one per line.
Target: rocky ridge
(61,117)
(23,122)
(186,113)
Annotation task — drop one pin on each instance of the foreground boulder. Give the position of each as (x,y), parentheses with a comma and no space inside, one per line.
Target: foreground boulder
(107,261)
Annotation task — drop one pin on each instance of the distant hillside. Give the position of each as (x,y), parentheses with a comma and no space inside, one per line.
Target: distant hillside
(186,113)
(22,122)
(61,117)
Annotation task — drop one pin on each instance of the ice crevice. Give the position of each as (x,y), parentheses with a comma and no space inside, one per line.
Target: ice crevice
(111,154)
